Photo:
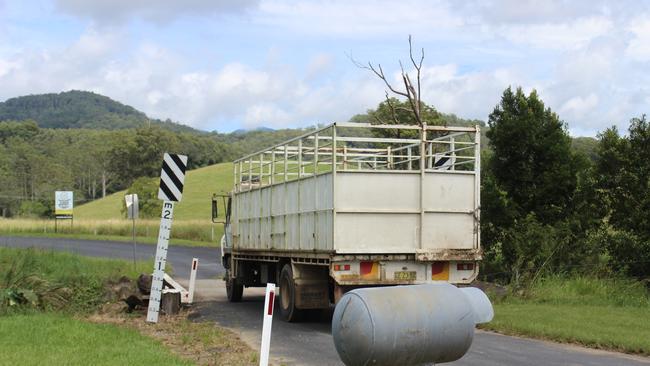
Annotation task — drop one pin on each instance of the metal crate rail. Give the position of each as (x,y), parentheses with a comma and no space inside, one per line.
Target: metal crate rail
(362,147)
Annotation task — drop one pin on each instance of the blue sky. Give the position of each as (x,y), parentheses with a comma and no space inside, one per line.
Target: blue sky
(223,65)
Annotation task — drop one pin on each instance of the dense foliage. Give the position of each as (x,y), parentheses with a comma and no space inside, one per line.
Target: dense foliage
(80,109)
(548,207)
(35,161)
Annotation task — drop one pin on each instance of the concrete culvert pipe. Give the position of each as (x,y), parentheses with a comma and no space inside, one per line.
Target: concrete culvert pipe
(407,325)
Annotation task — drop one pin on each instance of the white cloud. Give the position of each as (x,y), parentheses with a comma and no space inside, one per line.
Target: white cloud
(360,19)
(470,95)
(156,81)
(587,59)
(573,34)
(118,11)
(639,47)
(577,107)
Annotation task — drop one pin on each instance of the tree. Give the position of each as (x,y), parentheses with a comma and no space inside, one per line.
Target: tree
(529,187)
(533,161)
(623,183)
(140,154)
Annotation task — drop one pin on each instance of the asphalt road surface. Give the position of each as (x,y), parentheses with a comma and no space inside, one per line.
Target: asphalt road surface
(310,342)
(179,257)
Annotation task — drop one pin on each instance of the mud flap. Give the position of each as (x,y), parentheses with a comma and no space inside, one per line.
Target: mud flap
(312,286)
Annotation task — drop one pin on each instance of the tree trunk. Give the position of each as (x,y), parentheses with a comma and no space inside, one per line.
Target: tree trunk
(103,183)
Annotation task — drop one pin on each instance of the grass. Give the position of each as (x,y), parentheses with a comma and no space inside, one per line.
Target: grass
(184,232)
(84,277)
(92,329)
(599,313)
(57,339)
(195,207)
(102,218)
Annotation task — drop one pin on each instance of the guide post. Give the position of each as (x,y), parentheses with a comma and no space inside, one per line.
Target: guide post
(132,212)
(172,178)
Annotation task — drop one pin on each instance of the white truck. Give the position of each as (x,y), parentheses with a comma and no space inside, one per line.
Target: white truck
(353,205)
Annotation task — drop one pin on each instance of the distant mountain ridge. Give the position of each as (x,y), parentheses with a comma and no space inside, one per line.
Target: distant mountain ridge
(80,109)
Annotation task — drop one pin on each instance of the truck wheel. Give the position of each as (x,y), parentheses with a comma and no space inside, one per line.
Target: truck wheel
(288,309)
(234,289)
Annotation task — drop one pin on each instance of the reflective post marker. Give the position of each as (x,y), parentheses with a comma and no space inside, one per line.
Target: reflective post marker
(160,261)
(190,291)
(172,178)
(268,321)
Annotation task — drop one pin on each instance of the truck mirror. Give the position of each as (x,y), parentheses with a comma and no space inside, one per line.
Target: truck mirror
(215,209)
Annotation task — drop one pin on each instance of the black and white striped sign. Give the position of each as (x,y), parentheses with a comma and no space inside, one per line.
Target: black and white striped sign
(172,177)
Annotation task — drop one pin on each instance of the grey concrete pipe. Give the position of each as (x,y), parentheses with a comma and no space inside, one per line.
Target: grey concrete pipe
(408,325)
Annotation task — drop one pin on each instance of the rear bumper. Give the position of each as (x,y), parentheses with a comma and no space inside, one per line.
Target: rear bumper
(355,272)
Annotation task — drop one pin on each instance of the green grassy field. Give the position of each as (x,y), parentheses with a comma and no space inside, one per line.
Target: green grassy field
(599,313)
(35,334)
(102,218)
(56,339)
(200,184)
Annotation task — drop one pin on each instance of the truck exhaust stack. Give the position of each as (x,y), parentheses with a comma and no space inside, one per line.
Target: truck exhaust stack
(408,325)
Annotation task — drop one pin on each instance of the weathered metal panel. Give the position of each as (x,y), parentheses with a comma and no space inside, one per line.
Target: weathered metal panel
(448,231)
(307,233)
(377,192)
(278,233)
(376,233)
(289,216)
(382,213)
(449,192)
(293,231)
(323,230)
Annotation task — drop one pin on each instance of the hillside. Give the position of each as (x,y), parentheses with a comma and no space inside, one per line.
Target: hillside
(79,109)
(200,184)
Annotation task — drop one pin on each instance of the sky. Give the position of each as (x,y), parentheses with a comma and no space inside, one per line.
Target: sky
(230,64)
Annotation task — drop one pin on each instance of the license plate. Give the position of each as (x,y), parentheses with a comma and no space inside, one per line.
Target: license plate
(405,275)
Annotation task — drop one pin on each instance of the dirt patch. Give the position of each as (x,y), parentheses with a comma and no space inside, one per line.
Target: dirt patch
(201,343)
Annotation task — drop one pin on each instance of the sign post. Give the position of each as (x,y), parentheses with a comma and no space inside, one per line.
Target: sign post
(63,206)
(172,178)
(132,212)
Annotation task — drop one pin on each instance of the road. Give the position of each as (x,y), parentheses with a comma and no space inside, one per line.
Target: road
(310,343)
(179,257)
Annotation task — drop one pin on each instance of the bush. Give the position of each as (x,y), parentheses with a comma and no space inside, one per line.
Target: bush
(33,209)
(147,191)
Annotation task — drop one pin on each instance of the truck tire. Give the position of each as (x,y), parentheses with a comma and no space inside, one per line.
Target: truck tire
(288,309)
(234,289)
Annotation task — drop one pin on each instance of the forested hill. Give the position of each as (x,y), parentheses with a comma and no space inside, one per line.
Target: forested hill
(79,109)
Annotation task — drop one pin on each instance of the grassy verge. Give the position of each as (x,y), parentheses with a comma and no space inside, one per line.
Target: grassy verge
(201,343)
(55,339)
(600,313)
(59,280)
(59,308)
(126,240)
(184,232)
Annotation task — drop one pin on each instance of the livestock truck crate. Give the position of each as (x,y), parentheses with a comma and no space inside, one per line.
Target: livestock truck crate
(354,205)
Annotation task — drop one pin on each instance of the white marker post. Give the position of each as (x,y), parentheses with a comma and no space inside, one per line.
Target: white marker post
(172,178)
(268,321)
(160,262)
(190,291)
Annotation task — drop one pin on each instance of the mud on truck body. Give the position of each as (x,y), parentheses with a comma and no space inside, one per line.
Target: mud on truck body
(354,205)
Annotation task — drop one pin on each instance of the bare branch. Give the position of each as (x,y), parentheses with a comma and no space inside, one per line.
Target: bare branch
(418,68)
(411,92)
(392,109)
